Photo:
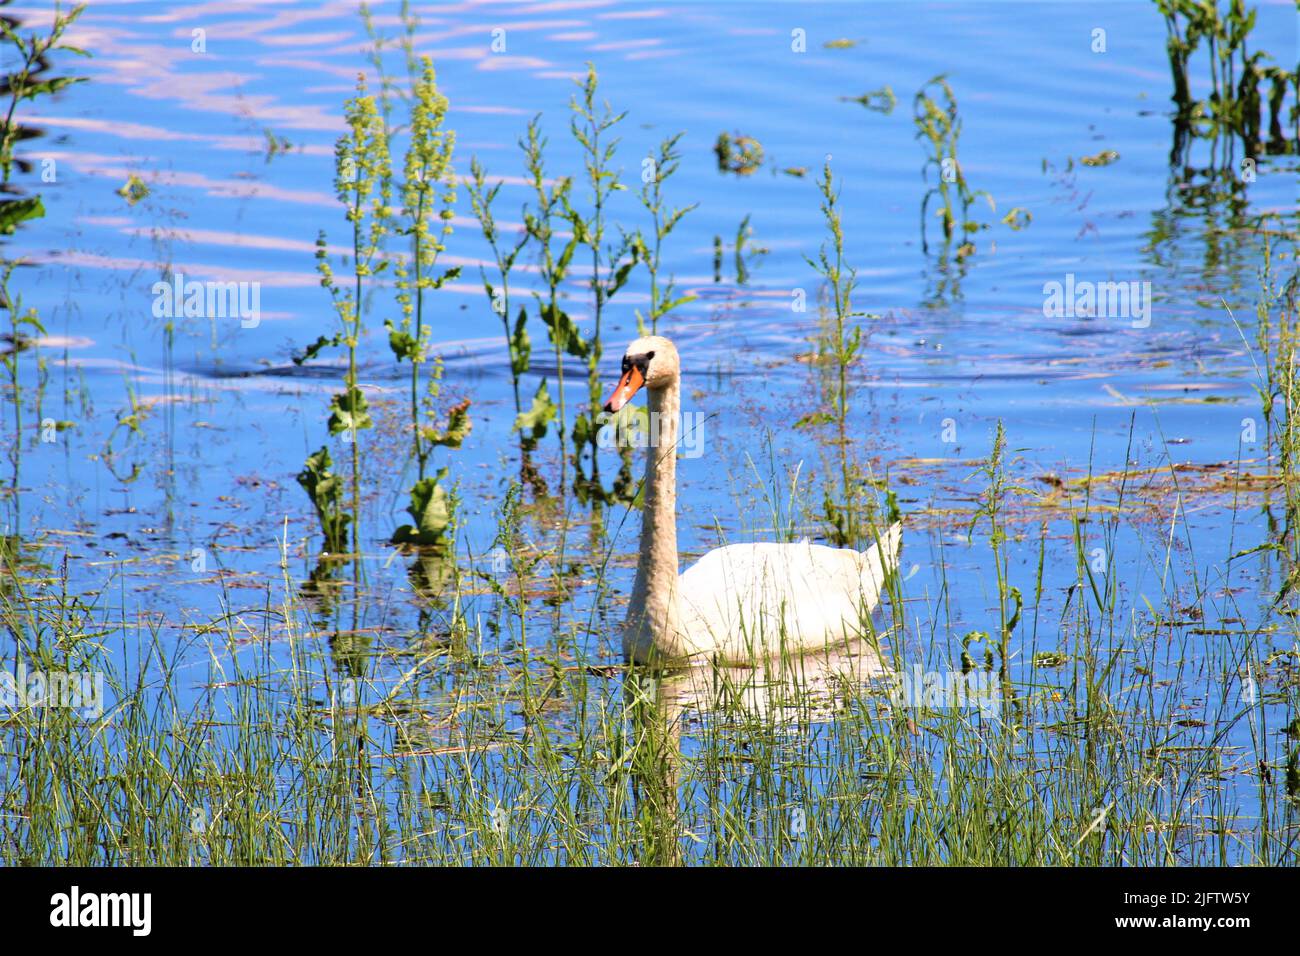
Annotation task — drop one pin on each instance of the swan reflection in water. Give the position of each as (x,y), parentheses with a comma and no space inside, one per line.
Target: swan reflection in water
(786,694)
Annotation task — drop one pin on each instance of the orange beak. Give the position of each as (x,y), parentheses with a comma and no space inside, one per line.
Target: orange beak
(627,386)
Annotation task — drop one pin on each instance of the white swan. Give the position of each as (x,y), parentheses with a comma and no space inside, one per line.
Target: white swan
(744,602)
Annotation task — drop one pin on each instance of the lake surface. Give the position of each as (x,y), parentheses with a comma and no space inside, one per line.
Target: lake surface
(183,522)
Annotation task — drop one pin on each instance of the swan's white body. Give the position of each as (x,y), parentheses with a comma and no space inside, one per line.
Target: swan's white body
(749,601)
(743,602)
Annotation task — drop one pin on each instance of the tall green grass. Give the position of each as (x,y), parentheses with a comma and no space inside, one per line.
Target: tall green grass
(505,737)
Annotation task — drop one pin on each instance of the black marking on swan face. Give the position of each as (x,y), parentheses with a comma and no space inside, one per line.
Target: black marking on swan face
(640,362)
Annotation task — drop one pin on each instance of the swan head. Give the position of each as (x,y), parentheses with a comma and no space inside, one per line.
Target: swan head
(649,362)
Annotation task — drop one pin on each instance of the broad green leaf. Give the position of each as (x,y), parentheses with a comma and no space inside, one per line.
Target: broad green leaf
(521,348)
(564,332)
(542,413)
(430,509)
(349,411)
(402,342)
(458,427)
(14,211)
(32,90)
(325,490)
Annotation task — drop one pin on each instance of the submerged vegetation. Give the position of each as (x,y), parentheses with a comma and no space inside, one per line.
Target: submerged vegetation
(1087,660)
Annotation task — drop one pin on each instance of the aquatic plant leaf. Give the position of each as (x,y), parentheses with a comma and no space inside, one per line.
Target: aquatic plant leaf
(31,90)
(564,331)
(33,319)
(349,411)
(325,489)
(579,234)
(133,190)
(14,211)
(882,100)
(458,427)
(1018,218)
(1015,615)
(521,348)
(851,345)
(402,342)
(813,419)
(542,413)
(893,513)
(1104,158)
(740,155)
(314,349)
(430,509)
(430,283)
(679,301)
(676,216)
(967,662)
(583,431)
(620,277)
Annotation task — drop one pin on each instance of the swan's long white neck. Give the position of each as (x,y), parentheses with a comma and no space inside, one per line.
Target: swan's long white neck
(654,615)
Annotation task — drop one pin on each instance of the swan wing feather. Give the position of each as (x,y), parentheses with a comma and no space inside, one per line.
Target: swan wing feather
(748,600)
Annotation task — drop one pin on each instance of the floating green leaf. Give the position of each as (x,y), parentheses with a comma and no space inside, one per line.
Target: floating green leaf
(134,189)
(1104,158)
